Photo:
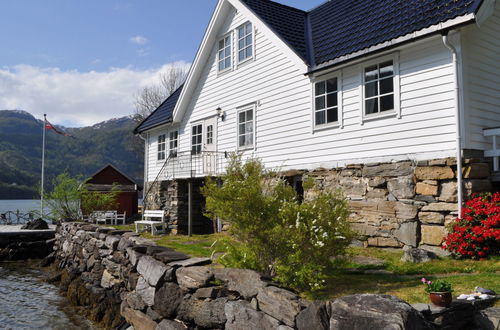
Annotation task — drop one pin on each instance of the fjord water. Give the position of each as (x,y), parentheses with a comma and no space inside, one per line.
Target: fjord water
(24,205)
(28,302)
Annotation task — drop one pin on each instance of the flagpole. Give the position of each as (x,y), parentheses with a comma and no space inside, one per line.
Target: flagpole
(43,165)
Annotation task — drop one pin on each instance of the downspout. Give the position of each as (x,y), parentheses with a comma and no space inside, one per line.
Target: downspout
(146,156)
(456,99)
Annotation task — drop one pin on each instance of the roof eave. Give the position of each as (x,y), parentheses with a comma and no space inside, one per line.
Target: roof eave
(431,30)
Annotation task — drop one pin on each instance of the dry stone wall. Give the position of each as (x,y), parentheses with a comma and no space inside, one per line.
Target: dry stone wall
(403,203)
(122,279)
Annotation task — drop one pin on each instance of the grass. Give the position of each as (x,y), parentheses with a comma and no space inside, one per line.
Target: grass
(195,246)
(405,283)
(464,275)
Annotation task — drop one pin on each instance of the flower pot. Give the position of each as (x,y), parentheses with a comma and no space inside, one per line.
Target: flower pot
(441,299)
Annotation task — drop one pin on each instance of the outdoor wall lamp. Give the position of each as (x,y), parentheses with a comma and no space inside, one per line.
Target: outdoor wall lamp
(221,114)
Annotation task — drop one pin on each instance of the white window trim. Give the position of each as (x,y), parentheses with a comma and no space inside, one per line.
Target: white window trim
(340,104)
(236,45)
(178,138)
(161,161)
(253,107)
(231,67)
(396,83)
(202,137)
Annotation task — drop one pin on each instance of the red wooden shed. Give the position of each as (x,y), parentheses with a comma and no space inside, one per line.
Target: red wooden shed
(103,182)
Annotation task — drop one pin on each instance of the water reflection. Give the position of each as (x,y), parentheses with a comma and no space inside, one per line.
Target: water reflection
(27,302)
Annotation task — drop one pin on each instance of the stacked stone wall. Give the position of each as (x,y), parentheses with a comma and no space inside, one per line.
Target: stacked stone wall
(122,279)
(403,203)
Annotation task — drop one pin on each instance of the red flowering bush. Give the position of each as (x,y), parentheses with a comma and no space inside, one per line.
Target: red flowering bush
(477,234)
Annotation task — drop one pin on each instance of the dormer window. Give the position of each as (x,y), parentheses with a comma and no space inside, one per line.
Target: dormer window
(245,42)
(224,53)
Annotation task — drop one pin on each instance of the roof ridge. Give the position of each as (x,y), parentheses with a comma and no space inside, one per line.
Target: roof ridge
(286,6)
(320,5)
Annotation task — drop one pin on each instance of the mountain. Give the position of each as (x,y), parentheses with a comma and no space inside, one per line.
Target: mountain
(90,149)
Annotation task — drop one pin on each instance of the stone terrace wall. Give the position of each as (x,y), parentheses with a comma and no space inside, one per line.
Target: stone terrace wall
(404,203)
(122,279)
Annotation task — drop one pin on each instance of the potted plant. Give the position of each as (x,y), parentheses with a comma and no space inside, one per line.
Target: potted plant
(439,292)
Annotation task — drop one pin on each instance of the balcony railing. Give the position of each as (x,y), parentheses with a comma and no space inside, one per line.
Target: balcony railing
(185,165)
(494,133)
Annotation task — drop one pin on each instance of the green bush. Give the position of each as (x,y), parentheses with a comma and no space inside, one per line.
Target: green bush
(275,233)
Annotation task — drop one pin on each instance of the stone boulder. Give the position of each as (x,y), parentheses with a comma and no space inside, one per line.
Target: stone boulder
(374,311)
(416,255)
(170,325)
(280,304)
(167,299)
(195,277)
(240,316)
(38,224)
(244,281)
(205,313)
(151,269)
(315,316)
(138,320)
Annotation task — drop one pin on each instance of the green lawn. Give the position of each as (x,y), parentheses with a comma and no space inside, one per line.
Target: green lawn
(404,281)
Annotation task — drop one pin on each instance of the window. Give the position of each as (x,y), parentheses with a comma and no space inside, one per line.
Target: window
(173,143)
(196,139)
(245,128)
(210,134)
(161,147)
(245,42)
(224,53)
(326,102)
(379,94)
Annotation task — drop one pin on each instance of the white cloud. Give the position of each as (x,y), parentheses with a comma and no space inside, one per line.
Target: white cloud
(139,40)
(82,98)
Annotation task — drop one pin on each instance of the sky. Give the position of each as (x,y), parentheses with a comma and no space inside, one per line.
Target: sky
(83,62)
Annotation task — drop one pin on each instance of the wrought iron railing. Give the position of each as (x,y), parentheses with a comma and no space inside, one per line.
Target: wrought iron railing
(185,165)
(15,218)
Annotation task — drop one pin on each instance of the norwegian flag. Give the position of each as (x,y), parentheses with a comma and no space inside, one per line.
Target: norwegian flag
(52,127)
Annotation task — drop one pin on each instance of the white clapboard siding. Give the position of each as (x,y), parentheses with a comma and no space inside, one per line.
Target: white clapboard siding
(481,47)
(282,95)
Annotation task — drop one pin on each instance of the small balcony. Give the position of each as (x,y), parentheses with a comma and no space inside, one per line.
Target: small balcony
(184,165)
(494,152)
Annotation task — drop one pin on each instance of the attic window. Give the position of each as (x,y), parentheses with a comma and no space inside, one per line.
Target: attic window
(224,53)
(245,42)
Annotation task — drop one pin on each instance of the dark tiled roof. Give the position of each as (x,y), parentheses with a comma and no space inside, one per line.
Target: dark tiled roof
(162,115)
(340,27)
(289,23)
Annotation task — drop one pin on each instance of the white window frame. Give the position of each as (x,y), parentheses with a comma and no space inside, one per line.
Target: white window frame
(161,148)
(396,112)
(340,113)
(254,119)
(231,55)
(201,141)
(237,43)
(172,152)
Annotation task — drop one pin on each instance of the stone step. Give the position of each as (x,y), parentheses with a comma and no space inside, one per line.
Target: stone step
(495,176)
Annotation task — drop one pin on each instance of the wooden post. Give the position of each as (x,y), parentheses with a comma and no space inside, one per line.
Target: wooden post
(190,207)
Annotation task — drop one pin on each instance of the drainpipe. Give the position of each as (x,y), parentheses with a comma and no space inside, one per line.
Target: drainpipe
(146,153)
(457,106)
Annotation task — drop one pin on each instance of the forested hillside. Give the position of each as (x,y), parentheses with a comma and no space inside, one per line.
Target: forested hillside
(90,149)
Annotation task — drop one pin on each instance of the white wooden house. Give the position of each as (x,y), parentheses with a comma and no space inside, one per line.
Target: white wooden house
(378,97)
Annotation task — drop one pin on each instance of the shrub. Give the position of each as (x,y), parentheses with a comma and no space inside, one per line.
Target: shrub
(275,233)
(477,234)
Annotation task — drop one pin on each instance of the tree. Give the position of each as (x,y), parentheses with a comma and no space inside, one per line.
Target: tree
(150,97)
